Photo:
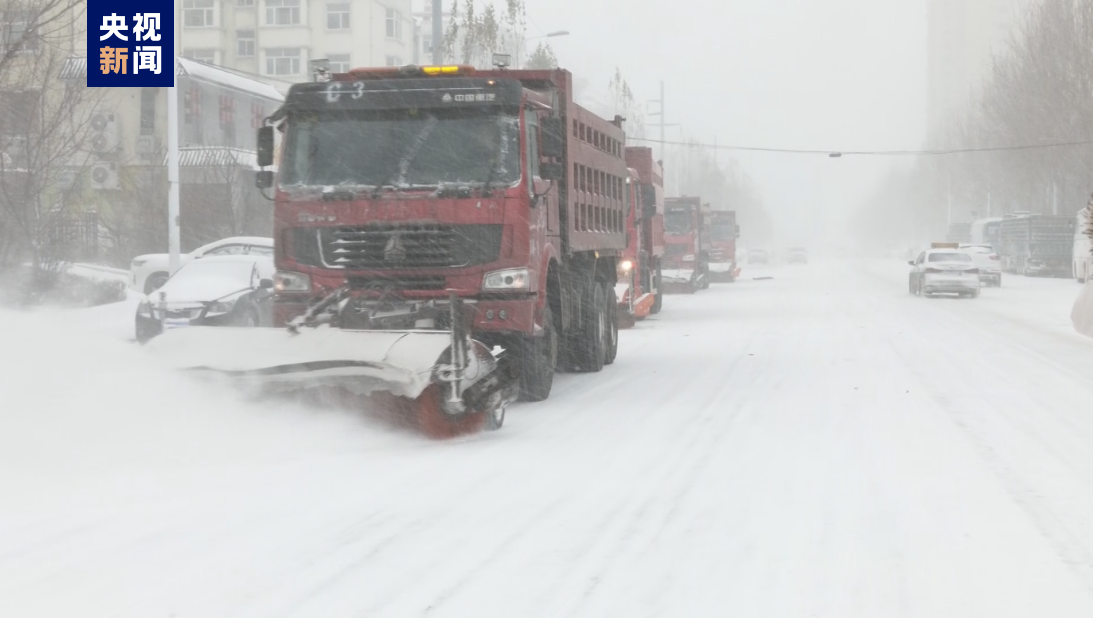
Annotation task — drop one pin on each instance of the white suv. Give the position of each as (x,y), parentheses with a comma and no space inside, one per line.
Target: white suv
(148,272)
(988,262)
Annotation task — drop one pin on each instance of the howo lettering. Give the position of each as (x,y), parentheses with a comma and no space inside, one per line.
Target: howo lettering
(443,234)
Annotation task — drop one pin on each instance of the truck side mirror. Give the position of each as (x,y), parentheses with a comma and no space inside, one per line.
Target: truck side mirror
(552,171)
(551,137)
(263,179)
(265,146)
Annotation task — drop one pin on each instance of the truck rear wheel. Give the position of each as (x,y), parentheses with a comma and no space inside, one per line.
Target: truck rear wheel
(538,355)
(612,327)
(658,300)
(588,346)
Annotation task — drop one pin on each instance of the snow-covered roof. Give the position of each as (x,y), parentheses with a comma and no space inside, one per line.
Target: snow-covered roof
(74,68)
(214,156)
(227,79)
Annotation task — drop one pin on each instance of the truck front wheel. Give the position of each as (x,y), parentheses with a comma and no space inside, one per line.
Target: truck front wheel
(538,355)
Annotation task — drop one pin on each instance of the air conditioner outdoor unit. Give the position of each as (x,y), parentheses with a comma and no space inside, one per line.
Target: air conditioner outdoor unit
(104,137)
(146,144)
(104,176)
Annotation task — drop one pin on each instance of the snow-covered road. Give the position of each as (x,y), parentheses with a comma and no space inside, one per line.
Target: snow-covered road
(818,444)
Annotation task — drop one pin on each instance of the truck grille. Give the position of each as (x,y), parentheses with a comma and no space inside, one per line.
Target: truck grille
(396,246)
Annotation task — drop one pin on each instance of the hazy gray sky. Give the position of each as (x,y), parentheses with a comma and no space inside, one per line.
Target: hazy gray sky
(838,74)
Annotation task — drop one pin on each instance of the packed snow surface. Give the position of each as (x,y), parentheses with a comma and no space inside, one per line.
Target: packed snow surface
(818,444)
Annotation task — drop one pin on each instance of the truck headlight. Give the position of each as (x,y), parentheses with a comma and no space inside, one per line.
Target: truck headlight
(626,266)
(285,281)
(512,279)
(138,263)
(688,258)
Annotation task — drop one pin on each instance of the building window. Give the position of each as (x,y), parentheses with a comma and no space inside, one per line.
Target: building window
(18,31)
(339,63)
(244,43)
(337,16)
(201,55)
(394,61)
(148,110)
(282,12)
(242,3)
(283,61)
(394,24)
(197,13)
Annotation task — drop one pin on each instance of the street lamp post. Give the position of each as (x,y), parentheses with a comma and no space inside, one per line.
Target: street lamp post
(548,35)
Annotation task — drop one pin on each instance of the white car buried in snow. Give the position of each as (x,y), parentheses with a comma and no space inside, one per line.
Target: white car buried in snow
(944,271)
(988,263)
(148,272)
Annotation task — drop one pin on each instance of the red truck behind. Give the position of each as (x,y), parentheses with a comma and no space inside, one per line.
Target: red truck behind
(723,234)
(639,289)
(687,244)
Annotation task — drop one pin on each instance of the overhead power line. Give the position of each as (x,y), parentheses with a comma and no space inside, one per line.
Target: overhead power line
(848,153)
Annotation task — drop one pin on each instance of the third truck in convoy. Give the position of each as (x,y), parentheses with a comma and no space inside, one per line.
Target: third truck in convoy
(687,222)
(723,234)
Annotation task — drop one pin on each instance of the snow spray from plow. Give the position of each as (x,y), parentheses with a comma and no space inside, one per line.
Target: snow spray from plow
(446,383)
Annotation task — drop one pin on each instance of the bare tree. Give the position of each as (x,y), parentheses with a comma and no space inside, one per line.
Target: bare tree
(542,58)
(44,132)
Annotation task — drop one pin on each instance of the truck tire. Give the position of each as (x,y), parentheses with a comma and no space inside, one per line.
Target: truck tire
(613,326)
(589,348)
(704,277)
(658,300)
(538,355)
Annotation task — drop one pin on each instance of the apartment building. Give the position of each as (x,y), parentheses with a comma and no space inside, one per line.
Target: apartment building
(962,38)
(278,38)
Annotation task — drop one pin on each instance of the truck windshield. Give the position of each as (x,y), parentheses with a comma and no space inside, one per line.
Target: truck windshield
(677,221)
(403,148)
(723,230)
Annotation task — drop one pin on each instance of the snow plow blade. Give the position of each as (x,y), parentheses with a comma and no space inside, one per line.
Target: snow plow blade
(446,382)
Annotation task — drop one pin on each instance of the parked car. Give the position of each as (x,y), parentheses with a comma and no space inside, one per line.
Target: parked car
(150,271)
(797,255)
(758,256)
(988,262)
(944,271)
(222,290)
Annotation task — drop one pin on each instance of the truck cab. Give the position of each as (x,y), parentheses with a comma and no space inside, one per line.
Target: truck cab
(723,234)
(687,244)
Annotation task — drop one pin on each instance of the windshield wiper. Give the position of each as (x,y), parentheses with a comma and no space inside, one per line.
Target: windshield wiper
(411,154)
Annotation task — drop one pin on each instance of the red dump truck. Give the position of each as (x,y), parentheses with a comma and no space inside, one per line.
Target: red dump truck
(687,223)
(444,235)
(723,234)
(638,290)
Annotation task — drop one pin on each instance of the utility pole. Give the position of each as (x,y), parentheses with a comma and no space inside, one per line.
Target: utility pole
(174,236)
(663,124)
(438,31)
(1055,198)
